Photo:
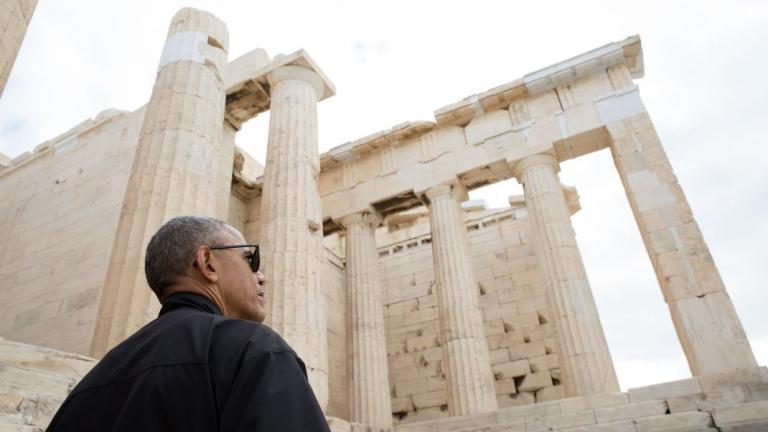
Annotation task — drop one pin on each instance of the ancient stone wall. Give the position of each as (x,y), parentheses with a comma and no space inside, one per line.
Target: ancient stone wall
(520,337)
(14,19)
(57,224)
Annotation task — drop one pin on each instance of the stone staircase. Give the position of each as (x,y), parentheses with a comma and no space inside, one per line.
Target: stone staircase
(730,402)
(35,380)
(33,383)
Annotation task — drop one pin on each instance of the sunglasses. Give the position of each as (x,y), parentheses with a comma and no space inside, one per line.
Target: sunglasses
(254,260)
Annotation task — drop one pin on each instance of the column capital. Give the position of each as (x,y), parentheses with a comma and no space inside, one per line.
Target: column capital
(297,73)
(363,217)
(454,190)
(534,160)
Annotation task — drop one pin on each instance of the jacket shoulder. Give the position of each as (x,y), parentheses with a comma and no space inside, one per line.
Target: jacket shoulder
(249,336)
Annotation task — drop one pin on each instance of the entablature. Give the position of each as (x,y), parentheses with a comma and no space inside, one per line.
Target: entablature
(562,111)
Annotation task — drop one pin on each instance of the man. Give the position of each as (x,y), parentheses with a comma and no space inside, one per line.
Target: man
(206,363)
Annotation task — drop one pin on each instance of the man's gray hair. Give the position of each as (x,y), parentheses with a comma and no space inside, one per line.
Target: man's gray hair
(172,249)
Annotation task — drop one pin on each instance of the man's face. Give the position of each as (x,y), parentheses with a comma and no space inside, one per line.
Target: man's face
(241,289)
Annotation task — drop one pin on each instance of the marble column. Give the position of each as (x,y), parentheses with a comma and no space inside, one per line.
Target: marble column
(369,398)
(585,361)
(175,168)
(466,362)
(291,222)
(705,320)
(14,20)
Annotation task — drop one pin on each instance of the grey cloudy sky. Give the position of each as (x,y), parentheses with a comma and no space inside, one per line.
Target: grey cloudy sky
(394,61)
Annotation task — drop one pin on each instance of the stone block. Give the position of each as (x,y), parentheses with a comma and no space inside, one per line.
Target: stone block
(752,426)
(427,302)
(499,356)
(420,316)
(512,369)
(489,299)
(712,382)
(420,343)
(402,361)
(748,413)
(725,397)
(560,421)
(593,402)
(542,332)
(515,400)
(550,393)
(430,399)
(535,381)
(432,355)
(435,383)
(504,340)
(31,383)
(544,363)
(619,426)
(527,350)
(503,310)
(401,404)
(494,327)
(415,372)
(505,386)
(687,421)
(631,411)
(426,414)
(533,304)
(402,307)
(683,387)
(407,388)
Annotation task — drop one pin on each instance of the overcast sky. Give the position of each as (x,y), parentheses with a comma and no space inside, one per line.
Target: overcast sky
(395,61)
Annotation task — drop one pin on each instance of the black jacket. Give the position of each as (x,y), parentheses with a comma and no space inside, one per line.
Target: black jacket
(192,369)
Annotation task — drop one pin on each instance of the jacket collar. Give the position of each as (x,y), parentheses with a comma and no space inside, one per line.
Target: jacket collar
(189,301)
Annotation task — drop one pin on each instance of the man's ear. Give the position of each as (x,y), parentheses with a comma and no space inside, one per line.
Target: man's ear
(206,264)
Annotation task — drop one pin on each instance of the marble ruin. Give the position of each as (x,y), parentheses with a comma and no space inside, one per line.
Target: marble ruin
(14,19)
(413,308)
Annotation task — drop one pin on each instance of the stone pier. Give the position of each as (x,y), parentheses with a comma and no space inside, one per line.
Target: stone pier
(466,359)
(14,20)
(706,322)
(291,222)
(585,361)
(369,398)
(174,172)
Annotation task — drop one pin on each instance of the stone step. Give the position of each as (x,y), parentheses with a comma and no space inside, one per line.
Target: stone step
(746,417)
(16,422)
(719,398)
(32,383)
(30,397)
(44,359)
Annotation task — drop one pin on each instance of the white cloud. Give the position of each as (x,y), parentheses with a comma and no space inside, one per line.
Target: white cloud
(396,61)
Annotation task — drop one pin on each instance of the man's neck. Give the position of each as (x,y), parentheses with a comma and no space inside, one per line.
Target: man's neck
(189,284)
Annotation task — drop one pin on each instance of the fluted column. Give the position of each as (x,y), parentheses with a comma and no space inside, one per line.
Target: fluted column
(369,399)
(585,361)
(467,364)
(14,20)
(175,169)
(291,222)
(705,320)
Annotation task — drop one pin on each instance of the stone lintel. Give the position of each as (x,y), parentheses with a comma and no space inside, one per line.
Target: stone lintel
(355,149)
(248,87)
(628,51)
